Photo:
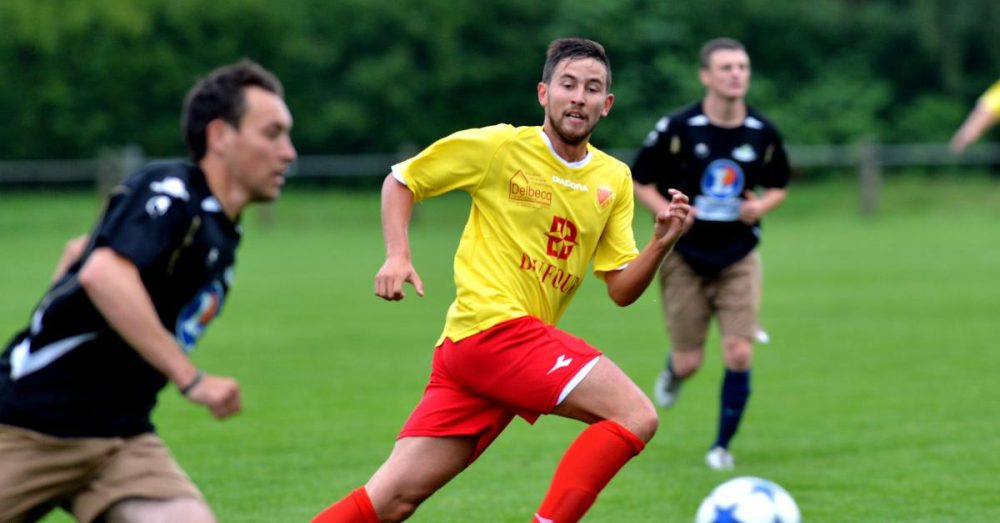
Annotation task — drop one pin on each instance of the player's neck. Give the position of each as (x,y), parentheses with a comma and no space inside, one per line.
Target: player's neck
(229,195)
(571,152)
(724,112)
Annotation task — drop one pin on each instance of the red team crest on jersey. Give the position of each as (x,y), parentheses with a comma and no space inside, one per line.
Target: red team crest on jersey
(562,237)
(604,194)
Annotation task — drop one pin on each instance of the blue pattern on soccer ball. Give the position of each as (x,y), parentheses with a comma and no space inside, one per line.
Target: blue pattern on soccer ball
(748,500)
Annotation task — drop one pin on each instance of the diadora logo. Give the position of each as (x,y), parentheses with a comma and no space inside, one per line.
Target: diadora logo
(530,189)
(723,179)
(562,238)
(570,183)
(561,361)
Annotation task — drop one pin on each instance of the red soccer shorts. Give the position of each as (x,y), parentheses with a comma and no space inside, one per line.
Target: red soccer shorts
(519,367)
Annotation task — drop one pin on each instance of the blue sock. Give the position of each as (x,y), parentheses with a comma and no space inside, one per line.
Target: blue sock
(735,391)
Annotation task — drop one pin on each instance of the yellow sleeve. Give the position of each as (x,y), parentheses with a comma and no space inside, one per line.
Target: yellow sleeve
(458,161)
(617,244)
(991,99)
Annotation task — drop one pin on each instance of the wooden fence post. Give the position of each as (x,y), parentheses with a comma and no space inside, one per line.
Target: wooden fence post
(869,177)
(114,165)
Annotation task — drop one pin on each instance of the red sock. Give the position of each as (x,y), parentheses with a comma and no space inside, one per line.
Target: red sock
(588,465)
(355,507)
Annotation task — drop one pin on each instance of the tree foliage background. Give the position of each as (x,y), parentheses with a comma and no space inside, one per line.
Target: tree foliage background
(372,76)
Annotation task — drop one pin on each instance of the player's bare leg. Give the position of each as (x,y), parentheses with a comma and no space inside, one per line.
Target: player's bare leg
(188,510)
(737,352)
(416,468)
(607,393)
(622,420)
(686,362)
(682,363)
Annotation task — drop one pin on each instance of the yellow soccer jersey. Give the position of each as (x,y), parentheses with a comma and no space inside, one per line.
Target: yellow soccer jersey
(991,98)
(535,224)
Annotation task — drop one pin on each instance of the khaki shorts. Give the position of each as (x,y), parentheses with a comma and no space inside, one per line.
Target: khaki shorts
(85,476)
(690,300)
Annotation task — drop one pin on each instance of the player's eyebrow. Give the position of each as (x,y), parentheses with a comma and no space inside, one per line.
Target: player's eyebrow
(593,79)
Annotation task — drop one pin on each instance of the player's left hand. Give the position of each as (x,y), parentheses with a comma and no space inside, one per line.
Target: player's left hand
(221,395)
(751,209)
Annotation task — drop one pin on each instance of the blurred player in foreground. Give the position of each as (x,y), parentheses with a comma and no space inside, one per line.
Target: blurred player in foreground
(545,203)
(78,385)
(718,150)
(982,117)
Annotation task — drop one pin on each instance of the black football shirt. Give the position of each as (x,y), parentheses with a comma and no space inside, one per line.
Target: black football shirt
(68,373)
(714,166)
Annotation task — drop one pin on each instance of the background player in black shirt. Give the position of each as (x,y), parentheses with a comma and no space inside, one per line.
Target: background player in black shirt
(78,385)
(717,150)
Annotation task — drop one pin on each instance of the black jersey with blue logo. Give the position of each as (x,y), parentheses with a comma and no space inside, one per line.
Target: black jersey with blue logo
(68,373)
(714,166)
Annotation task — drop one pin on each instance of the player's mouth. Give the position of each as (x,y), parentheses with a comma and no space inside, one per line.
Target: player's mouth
(576,116)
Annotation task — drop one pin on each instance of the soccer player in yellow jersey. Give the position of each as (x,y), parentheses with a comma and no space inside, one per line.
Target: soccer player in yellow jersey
(545,204)
(983,116)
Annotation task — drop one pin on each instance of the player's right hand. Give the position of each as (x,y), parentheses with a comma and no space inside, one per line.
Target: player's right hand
(390,279)
(221,395)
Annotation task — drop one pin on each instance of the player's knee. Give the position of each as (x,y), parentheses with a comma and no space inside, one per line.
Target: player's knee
(685,364)
(645,421)
(648,427)
(686,371)
(738,353)
(188,510)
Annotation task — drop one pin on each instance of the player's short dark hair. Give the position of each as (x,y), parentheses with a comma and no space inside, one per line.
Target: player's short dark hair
(716,44)
(220,94)
(575,48)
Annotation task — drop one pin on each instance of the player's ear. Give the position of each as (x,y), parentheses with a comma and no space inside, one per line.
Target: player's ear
(608,102)
(217,133)
(543,94)
(703,76)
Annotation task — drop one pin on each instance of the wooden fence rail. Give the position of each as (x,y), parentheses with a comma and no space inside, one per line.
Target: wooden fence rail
(867,158)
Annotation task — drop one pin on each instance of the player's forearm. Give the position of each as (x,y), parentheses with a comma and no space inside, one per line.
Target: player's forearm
(649,196)
(397,206)
(627,285)
(71,253)
(772,198)
(978,121)
(115,287)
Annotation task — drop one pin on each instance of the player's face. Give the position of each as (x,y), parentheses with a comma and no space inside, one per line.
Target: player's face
(575,99)
(727,74)
(260,151)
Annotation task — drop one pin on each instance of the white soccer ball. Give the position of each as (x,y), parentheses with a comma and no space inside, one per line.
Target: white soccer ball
(748,500)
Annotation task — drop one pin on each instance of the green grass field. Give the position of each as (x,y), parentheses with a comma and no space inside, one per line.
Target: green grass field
(876,401)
